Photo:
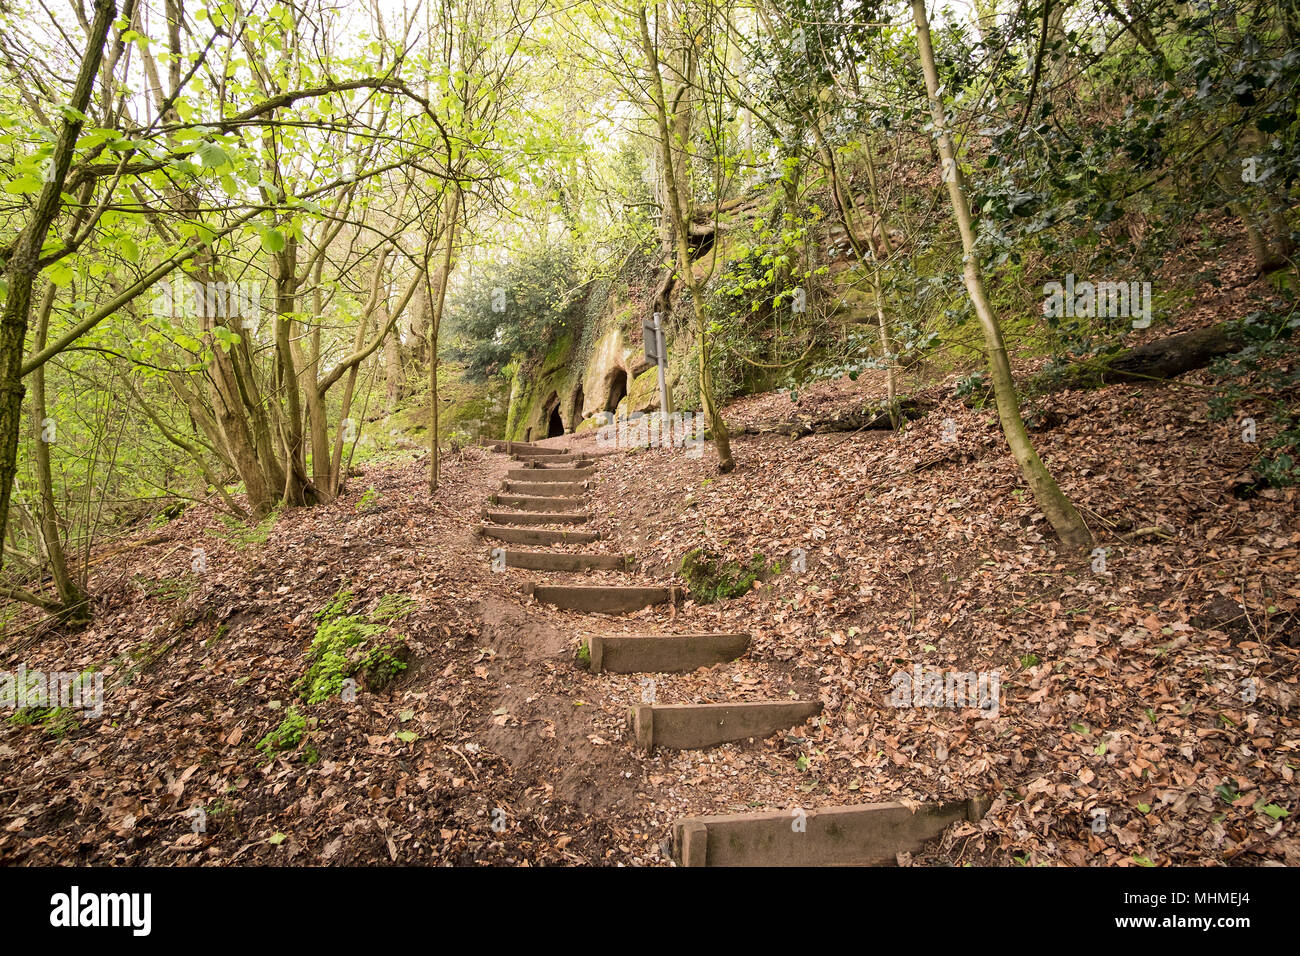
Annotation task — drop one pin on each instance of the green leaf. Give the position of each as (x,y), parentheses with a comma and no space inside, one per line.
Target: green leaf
(273,240)
(407,737)
(275,839)
(1272,809)
(212,155)
(23,185)
(1227,792)
(225,338)
(60,273)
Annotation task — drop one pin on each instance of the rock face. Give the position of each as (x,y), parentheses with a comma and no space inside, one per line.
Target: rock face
(538,397)
(607,374)
(602,368)
(615,377)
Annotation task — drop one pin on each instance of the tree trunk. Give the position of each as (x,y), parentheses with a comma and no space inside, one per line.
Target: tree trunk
(438,296)
(73,600)
(1157,361)
(394,379)
(24,261)
(1058,509)
(284,268)
(347,427)
(229,403)
(346,424)
(678,209)
(862,251)
(317,412)
(887,248)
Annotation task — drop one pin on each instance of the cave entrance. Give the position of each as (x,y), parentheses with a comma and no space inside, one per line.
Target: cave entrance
(576,417)
(556,424)
(699,245)
(617,390)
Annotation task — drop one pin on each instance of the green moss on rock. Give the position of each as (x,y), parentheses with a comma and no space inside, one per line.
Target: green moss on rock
(349,644)
(709,577)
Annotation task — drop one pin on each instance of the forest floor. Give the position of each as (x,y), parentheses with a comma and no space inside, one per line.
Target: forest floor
(1157,694)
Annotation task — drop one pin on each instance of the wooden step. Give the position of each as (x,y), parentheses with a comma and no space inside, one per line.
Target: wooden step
(694,726)
(538,536)
(559,561)
(534,517)
(566,461)
(548,474)
(545,489)
(527,447)
(872,834)
(663,653)
(522,503)
(607,599)
(555,461)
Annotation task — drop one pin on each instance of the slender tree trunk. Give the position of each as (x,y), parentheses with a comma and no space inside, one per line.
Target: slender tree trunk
(1264,256)
(229,402)
(190,448)
(420,328)
(24,261)
(887,248)
(347,428)
(73,599)
(201,420)
(862,250)
(438,297)
(394,379)
(317,412)
(284,271)
(349,388)
(259,413)
(1065,520)
(677,207)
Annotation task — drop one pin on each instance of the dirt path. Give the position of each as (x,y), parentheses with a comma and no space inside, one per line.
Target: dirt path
(1121,689)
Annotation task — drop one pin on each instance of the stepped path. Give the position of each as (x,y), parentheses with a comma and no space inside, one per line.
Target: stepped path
(537,522)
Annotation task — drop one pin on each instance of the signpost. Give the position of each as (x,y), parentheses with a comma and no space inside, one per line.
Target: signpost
(656,352)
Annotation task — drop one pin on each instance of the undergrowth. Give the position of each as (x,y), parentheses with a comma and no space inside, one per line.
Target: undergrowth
(347,645)
(710,578)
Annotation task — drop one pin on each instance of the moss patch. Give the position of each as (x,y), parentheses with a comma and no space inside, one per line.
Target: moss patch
(349,644)
(285,737)
(55,721)
(709,577)
(532,387)
(467,411)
